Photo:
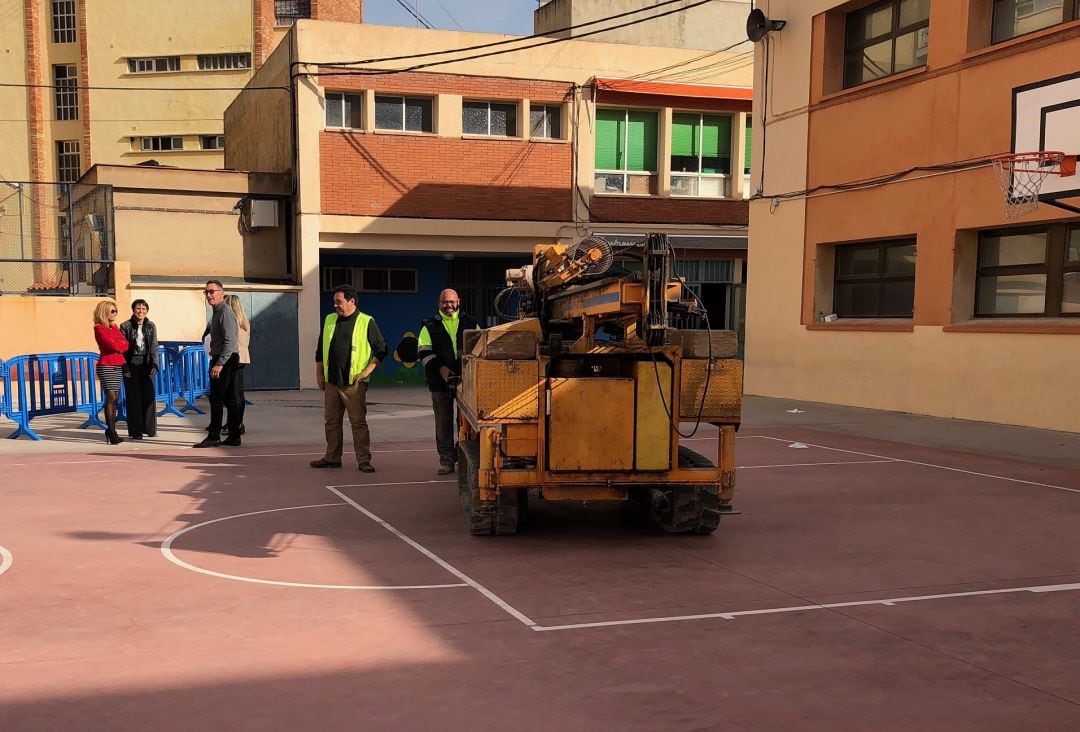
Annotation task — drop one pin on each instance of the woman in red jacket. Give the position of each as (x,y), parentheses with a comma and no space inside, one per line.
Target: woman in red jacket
(110,369)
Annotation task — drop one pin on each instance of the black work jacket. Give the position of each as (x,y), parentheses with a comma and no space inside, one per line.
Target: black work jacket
(442,351)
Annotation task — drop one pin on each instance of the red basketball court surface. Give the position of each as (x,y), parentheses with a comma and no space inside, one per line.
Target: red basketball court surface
(866,584)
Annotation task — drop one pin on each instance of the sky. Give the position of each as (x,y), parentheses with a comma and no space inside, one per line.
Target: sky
(513,17)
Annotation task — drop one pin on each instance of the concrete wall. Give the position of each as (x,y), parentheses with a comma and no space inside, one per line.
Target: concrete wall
(716,24)
(958,107)
(260,121)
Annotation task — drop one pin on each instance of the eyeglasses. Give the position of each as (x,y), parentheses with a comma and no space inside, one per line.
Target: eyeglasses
(211,292)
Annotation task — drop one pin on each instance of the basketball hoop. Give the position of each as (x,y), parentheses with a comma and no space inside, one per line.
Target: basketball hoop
(1021,176)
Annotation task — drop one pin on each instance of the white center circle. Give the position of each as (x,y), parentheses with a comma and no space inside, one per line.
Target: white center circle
(6,560)
(166,549)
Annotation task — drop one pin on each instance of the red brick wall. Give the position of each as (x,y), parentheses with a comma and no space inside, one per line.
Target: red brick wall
(668,210)
(262,31)
(476,87)
(84,81)
(653,101)
(342,11)
(440,177)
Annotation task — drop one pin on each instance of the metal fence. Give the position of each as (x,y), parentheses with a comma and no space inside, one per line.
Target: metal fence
(56,239)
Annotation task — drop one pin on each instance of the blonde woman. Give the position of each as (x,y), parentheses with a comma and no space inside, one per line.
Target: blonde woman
(243,348)
(110,369)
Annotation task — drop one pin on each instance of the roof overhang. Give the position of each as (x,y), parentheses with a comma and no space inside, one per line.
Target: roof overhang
(674,89)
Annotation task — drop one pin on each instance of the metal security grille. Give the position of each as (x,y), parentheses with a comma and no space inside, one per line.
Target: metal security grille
(63,21)
(66,91)
(67,161)
(224,61)
(287,12)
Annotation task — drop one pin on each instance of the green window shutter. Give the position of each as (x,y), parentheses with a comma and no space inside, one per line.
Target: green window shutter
(716,144)
(641,141)
(747,148)
(684,135)
(610,130)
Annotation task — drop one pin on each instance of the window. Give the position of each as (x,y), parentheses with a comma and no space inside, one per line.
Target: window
(287,12)
(1014,18)
(66,91)
(343,110)
(335,277)
(626,151)
(386,280)
(498,119)
(884,39)
(545,121)
(875,280)
(68,163)
(212,142)
(1029,272)
(161,142)
(63,21)
(153,64)
(409,114)
(748,147)
(224,61)
(701,146)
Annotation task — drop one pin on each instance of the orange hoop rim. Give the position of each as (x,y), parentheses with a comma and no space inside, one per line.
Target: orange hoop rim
(1043,162)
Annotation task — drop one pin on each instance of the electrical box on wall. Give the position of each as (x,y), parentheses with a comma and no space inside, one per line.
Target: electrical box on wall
(263,214)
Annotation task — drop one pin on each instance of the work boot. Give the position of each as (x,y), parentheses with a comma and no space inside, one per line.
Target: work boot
(324,463)
(367,468)
(446,468)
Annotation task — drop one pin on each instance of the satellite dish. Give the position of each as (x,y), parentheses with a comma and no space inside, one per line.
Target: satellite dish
(758,26)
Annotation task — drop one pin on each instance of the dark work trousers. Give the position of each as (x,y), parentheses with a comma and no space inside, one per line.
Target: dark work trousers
(240,399)
(442,402)
(140,401)
(223,397)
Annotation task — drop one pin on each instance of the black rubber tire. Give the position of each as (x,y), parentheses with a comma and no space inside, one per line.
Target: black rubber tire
(498,518)
(690,509)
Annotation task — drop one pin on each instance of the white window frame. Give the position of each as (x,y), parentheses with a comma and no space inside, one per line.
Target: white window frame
(627,174)
(302,12)
(217,144)
(336,97)
(224,61)
(147,143)
(546,134)
(153,64)
(517,115)
(696,178)
(63,21)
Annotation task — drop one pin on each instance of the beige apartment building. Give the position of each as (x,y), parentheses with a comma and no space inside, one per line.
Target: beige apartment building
(885,272)
(127,82)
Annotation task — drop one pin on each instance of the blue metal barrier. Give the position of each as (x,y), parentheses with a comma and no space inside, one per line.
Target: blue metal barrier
(50,383)
(59,383)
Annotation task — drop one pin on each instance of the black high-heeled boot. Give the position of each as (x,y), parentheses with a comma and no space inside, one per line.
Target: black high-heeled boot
(112,438)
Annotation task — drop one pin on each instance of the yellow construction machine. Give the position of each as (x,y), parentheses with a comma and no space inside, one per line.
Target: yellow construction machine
(585,393)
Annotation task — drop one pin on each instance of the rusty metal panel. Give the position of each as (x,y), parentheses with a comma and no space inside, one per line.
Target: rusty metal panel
(723,403)
(503,389)
(520,440)
(653,438)
(591,425)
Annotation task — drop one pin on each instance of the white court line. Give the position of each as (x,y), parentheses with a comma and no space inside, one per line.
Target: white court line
(505,606)
(6,560)
(814,465)
(888,602)
(166,549)
(930,465)
(373,485)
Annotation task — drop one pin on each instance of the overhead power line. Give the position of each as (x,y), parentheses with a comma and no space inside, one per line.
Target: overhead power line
(416,14)
(417,67)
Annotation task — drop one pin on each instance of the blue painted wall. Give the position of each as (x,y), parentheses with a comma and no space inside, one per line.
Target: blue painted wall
(396,313)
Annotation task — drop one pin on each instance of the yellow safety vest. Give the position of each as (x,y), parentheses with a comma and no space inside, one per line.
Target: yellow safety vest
(361,349)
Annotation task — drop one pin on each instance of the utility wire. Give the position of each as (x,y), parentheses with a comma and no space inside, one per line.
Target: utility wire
(415,14)
(495,44)
(451,15)
(417,67)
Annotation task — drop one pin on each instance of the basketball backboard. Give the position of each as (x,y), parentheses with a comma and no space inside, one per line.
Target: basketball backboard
(1046,116)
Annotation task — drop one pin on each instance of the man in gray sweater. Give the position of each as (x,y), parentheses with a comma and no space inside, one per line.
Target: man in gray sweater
(224,360)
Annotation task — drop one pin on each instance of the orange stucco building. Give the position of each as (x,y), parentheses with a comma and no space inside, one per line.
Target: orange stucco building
(875,202)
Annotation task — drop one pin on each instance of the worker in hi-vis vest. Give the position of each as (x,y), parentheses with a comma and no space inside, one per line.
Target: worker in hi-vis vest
(439,350)
(350,349)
